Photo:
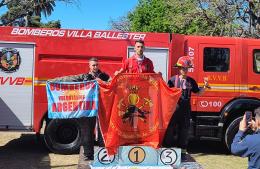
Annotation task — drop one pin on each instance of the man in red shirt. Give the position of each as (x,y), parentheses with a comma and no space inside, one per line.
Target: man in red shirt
(138,63)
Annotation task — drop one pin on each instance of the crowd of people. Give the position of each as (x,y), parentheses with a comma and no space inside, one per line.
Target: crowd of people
(242,145)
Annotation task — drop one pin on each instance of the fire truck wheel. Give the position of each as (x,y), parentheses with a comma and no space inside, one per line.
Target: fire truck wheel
(231,131)
(62,136)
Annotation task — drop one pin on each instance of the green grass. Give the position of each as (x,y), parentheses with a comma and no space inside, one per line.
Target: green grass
(214,155)
(220,161)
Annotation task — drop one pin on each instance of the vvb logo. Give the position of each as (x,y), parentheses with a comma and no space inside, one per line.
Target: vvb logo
(10,60)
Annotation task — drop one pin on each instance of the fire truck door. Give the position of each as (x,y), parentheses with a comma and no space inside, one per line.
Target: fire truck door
(16,90)
(159,56)
(217,63)
(254,71)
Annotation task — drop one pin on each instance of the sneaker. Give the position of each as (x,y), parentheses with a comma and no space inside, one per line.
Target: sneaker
(184,157)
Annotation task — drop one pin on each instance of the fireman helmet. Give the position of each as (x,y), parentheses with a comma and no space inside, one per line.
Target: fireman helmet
(184,61)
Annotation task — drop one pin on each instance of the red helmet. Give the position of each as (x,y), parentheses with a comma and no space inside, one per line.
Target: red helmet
(184,61)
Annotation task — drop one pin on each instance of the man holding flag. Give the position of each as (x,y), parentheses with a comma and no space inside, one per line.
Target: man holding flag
(87,123)
(181,117)
(138,63)
(140,107)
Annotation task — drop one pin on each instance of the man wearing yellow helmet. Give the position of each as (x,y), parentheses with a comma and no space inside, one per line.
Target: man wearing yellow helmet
(181,117)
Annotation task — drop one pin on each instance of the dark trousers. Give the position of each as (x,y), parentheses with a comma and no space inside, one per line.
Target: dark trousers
(100,138)
(179,124)
(87,135)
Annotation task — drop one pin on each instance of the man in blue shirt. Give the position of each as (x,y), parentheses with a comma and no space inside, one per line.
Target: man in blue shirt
(248,145)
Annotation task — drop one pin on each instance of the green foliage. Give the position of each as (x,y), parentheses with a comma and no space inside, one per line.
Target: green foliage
(164,16)
(199,17)
(29,12)
(150,16)
(34,21)
(43,6)
(184,17)
(16,9)
(52,24)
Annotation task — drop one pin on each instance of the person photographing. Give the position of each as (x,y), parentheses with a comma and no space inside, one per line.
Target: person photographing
(248,145)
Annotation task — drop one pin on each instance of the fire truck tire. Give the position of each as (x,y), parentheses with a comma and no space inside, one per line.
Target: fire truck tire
(62,136)
(231,131)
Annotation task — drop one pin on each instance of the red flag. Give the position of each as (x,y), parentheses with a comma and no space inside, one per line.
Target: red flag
(135,109)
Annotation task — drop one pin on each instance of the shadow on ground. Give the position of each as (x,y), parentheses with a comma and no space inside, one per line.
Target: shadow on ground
(24,152)
(207,147)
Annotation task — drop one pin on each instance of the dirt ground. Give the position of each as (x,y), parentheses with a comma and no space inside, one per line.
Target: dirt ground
(22,151)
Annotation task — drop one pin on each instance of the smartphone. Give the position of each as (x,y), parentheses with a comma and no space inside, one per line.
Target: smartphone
(248,117)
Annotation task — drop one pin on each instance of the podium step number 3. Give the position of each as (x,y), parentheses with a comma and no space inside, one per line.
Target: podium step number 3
(138,156)
(169,156)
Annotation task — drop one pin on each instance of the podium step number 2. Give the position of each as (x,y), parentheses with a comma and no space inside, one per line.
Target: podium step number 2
(101,158)
(138,156)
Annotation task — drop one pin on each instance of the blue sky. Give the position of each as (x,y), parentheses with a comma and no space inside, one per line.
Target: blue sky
(89,14)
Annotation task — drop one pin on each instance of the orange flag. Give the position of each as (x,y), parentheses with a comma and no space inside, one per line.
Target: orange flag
(135,109)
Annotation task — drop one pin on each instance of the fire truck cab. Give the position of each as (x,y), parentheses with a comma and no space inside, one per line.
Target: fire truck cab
(232,67)
(31,56)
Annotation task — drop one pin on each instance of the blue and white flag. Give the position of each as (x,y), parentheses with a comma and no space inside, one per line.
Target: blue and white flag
(72,99)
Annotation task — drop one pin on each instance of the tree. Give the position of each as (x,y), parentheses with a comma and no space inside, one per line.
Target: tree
(28,12)
(43,6)
(185,17)
(121,24)
(162,16)
(232,17)
(4,2)
(148,16)
(200,17)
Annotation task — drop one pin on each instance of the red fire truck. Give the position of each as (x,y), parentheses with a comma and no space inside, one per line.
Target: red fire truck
(30,56)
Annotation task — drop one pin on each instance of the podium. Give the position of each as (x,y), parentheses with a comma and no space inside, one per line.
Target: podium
(138,156)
